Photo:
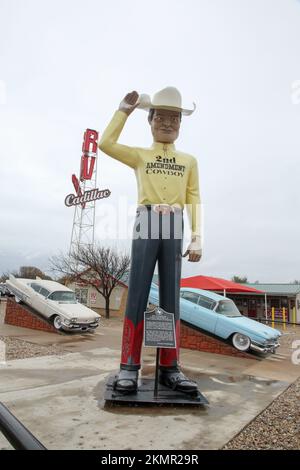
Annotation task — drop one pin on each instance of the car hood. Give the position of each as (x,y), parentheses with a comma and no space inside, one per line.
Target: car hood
(256,327)
(77,310)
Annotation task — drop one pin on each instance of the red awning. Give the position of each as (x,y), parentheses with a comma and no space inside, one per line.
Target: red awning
(216,284)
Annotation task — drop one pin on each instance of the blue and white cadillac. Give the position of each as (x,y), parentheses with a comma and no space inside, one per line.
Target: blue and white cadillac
(219,316)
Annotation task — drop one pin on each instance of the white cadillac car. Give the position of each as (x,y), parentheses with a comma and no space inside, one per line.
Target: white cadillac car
(55,302)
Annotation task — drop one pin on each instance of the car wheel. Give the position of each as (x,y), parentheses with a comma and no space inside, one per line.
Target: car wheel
(241,342)
(57,323)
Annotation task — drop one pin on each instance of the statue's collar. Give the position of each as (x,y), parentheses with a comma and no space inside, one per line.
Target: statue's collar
(163,147)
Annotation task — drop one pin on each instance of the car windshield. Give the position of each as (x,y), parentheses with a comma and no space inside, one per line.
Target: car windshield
(228,308)
(63,296)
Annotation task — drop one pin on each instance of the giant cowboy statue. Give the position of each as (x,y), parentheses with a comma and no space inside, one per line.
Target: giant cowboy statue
(167,181)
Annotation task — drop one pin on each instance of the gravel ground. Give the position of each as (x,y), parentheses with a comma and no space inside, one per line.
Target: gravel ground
(19,349)
(277,427)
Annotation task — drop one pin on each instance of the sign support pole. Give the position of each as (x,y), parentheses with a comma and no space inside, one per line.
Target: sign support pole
(156,373)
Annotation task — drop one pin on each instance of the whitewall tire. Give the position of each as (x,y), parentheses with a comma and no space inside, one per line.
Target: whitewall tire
(241,342)
(57,323)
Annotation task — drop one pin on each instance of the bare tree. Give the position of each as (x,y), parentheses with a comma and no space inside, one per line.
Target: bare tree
(27,272)
(31,272)
(96,266)
(239,279)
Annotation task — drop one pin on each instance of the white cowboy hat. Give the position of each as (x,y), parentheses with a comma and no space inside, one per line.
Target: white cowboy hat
(167,98)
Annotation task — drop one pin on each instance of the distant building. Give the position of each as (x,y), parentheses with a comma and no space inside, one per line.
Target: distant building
(279,296)
(89,296)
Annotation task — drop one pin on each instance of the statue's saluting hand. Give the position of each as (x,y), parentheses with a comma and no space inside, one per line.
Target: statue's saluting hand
(129,102)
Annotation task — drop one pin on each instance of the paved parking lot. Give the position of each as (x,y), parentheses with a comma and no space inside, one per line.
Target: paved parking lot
(60,397)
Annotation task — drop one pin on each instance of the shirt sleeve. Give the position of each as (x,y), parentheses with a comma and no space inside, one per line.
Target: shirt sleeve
(109,145)
(193,201)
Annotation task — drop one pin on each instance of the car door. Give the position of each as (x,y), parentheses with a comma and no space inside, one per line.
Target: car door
(187,303)
(207,317)
(51,307)
(40,300)
(33,298)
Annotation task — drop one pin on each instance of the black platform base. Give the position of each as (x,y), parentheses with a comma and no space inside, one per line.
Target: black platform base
(145,395)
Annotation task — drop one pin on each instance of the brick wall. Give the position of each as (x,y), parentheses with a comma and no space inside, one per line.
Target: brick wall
(193,339)
(17,315)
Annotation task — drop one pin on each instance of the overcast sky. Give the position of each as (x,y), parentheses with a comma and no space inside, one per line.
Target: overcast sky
(64,67)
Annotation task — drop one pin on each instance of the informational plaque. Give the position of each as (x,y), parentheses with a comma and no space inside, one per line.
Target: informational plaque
(159,329)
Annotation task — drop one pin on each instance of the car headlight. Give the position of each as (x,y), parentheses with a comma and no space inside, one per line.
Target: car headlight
(73,320)
(97,319)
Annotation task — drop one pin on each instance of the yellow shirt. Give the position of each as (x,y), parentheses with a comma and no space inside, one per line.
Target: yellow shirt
(164,175)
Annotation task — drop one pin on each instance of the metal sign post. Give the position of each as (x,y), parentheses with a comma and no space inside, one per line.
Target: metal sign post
(159,332)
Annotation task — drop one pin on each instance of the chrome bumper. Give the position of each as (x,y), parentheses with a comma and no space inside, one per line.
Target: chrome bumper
(80,326)
(265,349)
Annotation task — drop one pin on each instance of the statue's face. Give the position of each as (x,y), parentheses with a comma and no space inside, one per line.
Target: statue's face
(165,125)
